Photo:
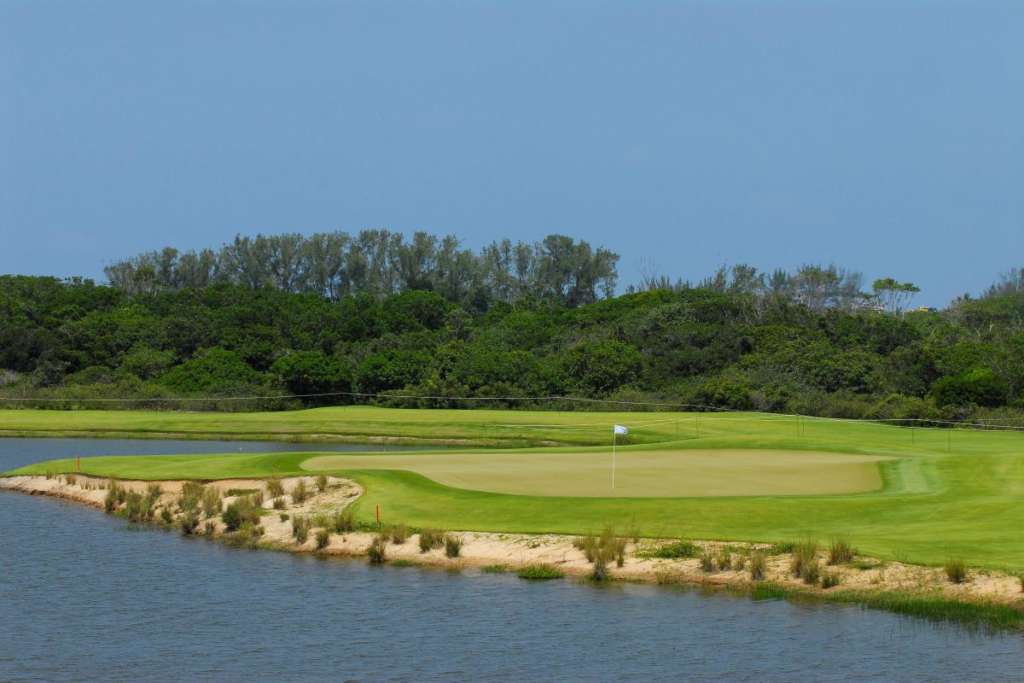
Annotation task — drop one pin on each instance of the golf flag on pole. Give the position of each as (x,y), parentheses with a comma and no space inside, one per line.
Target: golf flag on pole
(619,429)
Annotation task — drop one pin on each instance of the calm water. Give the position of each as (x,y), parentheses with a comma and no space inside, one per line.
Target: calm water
(85,596)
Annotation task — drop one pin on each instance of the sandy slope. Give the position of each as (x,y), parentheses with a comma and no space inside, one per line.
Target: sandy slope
(518,550)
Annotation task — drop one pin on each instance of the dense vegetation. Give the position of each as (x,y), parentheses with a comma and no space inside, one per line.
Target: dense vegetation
(810,342)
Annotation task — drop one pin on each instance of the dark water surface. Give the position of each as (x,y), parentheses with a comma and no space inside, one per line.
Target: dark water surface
(84,596)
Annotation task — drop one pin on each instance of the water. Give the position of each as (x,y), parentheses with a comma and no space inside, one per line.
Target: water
(85,596)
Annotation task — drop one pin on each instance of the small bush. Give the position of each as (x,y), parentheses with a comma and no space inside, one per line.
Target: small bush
(300,528)
(430,539)
(165,515)
(804,554)
(321,483)
(344,520)
(247,536)
(956,570)
(738,562)
(238,513)
(399,534)
(830,579)
(494,569)
(191,495)
(275,489)
(452,545)
(757,566)
(110,501)
(299,492)
(377,552)
(138,508)
(810,572)
(840,552)
(539,572)
(323,537)
(279,503)
(321,519)
(283,517)
(212,504)
(188,523)
(724,560)
(707,563)
(677,550)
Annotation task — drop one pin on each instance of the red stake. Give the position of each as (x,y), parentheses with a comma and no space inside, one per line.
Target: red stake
(378,515)
(78,463)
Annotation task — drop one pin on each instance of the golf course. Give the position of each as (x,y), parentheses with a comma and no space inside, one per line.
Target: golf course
(919,495)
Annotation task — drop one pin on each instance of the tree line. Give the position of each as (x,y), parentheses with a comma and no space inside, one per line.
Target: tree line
(737,340)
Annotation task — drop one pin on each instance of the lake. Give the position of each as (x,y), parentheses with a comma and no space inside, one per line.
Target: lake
(85,596)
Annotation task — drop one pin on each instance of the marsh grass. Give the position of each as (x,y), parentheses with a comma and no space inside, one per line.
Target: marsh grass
(138,508)
(494,569)
(399,534)
(956,570)
(234,493)
(783,548)
(739,562)
(275,489)
(279,503)
(539,572)
(190,497)
(757,566)
(299,492)
(830,580)
(321,483)
(707,562)
(344,520)
(165,516)
(804,555)
(377,552)
(211,501)
(840,552)
(452,545)
(241,511)
(300,528)
(210,528)
(188,523)
(323,537)
(430,539)
(247,536)
(724,560)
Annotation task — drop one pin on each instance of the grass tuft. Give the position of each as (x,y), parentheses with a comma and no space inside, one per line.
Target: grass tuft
(539,572)
(299,492)
(377,552)
(757,566)
(275,489)
(494,569)
(673,551)
(323,537)
(956,570)
(840,552)
(321,483)
(452,545)
(399,534)
(430,539)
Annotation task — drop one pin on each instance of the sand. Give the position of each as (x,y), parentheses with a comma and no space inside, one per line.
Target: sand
(514,551)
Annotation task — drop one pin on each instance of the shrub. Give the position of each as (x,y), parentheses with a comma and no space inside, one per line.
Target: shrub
(212,504)
(300,528)
(539,572)
(452,545)
(430,539)
(707,563)
(283,517)
(830,579)
(399,534)
(321,483)
(247,536)
(323,537)
(677,550)
(238,513)
(279,503)
(724,560)
(810,572)
(275,489)
(299,492)
(165,515)
(188,523)
(757,566)
(138,508)
(153,493)
(344,520)
(110,501)
(804,554)
(377,552)
(840,552)
(956,570)
(191,494)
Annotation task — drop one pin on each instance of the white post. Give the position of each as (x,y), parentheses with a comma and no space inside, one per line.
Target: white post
(614,439)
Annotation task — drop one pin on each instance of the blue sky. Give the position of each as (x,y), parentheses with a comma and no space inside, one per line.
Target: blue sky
(887,137)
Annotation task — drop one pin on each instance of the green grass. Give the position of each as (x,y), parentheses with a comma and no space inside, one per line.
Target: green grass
(539,572)
(943,493)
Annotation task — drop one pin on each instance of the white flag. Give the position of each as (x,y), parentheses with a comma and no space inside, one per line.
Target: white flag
(619,429)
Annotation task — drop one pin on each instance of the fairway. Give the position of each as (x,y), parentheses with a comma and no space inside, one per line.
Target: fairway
(670,473)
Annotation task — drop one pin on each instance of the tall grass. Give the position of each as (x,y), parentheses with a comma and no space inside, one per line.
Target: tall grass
(377,552)
(757,566)
(300,492)
(188,523)
(707,562)
(804,561)
(242,510)
(840,552)
(344,520)
(430,539)
(323,537)
(956,570)
(300,528)
(191,495)
(211,501)
(452,545)
(275,489)
(539,572)
(321,483)
(399,534)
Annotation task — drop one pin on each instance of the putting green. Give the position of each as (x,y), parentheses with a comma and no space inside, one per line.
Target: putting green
(638,474)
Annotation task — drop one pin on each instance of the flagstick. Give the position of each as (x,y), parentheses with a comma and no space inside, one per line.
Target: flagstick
(615,438)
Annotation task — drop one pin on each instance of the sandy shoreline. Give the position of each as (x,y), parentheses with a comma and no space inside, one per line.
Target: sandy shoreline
(515,551)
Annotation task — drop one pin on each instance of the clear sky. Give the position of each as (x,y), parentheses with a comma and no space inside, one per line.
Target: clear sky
(887,137)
